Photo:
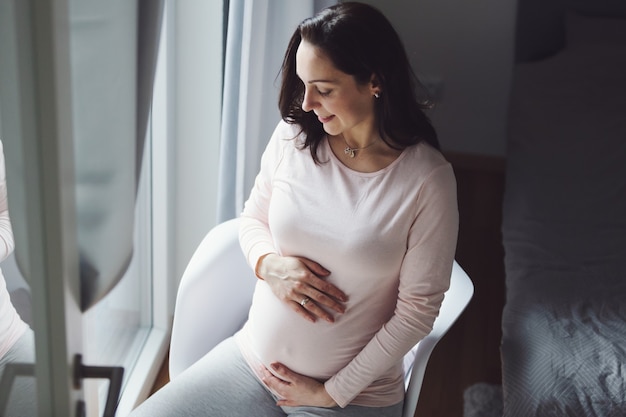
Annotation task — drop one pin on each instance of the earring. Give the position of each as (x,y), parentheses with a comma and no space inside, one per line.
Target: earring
(377,95)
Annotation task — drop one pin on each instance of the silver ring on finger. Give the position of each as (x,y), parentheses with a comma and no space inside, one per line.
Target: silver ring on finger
(304,301)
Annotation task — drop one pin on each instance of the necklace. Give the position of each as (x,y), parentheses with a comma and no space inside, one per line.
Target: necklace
(351,152)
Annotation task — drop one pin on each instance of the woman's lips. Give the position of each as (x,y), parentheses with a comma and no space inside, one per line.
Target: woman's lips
(325,119)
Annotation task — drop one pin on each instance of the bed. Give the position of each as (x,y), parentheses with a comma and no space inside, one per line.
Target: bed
(564,214)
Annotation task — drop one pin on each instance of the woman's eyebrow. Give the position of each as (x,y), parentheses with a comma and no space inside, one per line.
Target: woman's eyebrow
(322,81)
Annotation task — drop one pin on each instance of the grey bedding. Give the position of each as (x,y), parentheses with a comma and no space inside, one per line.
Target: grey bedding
(564,234)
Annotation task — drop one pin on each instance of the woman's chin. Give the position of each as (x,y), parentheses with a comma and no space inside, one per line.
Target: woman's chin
(330,130)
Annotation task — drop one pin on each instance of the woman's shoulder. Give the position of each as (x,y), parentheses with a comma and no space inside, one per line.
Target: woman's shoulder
(287,131)
(425,166)
(287,136)
(427,157)
(432,176)
(285,141)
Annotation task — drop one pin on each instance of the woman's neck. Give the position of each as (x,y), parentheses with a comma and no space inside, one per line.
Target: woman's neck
(368,159)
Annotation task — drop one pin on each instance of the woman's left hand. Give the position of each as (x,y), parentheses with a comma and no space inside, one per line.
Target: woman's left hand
(295,389)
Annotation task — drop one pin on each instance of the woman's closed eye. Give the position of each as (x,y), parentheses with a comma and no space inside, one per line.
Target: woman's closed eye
(324,93)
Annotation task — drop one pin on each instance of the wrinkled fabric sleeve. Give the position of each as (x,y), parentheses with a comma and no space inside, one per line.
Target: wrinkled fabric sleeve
(254,232)
(6,234)
(424,277)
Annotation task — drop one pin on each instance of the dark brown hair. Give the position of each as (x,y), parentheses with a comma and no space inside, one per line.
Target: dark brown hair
(361,42)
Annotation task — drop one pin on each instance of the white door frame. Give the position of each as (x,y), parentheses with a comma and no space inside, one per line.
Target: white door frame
(40,165)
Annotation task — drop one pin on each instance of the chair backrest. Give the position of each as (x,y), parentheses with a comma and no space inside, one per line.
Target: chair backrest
(456,299)
(214,296)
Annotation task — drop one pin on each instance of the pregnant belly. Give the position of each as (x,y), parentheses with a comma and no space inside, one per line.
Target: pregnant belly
(278,334)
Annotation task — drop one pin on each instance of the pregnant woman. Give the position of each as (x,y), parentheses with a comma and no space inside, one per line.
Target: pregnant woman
(351,229)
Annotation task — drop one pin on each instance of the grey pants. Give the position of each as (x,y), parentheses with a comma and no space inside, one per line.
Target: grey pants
(22,399)
(222,384)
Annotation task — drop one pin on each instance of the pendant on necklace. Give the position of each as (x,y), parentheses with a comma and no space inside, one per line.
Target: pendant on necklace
(350,151)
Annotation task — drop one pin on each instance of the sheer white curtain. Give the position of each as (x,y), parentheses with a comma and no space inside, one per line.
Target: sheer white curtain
(258,33)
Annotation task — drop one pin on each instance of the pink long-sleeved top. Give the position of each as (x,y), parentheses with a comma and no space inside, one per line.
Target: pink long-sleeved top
(11,325)
(388,238)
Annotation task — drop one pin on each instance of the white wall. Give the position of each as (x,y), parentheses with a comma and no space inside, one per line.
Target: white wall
(197,106)
(468,46)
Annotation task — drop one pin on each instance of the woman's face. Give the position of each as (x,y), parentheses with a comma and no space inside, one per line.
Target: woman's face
(341,105)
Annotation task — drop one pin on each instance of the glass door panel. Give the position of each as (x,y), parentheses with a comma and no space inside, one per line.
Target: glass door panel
(37,138)
(37,121)
(115,330)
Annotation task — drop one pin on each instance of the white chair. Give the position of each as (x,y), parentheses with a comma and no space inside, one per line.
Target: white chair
(215,294)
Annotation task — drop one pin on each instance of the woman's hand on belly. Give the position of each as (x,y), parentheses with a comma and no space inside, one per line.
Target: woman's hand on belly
(299,282)
(294,389)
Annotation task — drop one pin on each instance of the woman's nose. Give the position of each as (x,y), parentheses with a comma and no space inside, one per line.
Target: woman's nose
(308,102)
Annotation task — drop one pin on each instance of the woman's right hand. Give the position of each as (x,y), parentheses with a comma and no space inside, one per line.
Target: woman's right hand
(300,283)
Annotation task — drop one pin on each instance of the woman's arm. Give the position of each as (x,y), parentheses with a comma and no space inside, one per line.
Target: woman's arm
(6,234)
(424,277)
(297,281)
(254,232)
(294,389)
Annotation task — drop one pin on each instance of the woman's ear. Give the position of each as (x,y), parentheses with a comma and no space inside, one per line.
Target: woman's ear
(375,85)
